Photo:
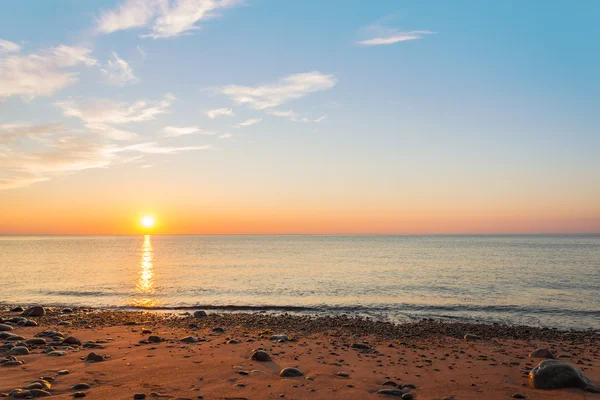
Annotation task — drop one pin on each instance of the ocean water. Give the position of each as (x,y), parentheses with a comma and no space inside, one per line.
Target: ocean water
(549,281)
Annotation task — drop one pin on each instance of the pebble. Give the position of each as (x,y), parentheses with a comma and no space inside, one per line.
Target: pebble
(541,353)
(35,311)
(233,341)
(139,396)
(408,396)
(72,340)
(200,314)
(36,341)
(80,386)
(218,329)
(290,372)
(280,338)
(17,309)
(29,323)
(469,337)
(361,346)
(391,392)
(155,339)
(518,396)
(260,355)
(79,394)
(19,351)
(343,374)
(189,339)
(94,357)
(63,372)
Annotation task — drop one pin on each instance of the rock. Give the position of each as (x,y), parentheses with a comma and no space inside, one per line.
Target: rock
(4,328)
(189,339)
(280,338)
(542,353)
(29,322)
(290,372)
(139,396)
(555,374)
(62,372)
(408,396)
(19,351)
(469,337)
(67,311)
(146,331)
(261,355)
(10,361)
(94,357)
(218,329)
(233,341)
(518,396)
(343,374)
(361,346)
(200,314)
(33,385)
(155,339)
(389,383)
(57,353)
(36,341)
(10,336)
(81,386)
(391,392)
(71,340)
(44,384)
(78,395)
(408,386)
(193,326)
(64,323)
(17,309)
(35,311)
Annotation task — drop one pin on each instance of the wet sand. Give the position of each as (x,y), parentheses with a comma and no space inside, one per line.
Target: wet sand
(432,356)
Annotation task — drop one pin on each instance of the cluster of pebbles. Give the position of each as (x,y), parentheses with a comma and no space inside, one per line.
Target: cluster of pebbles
(550,373)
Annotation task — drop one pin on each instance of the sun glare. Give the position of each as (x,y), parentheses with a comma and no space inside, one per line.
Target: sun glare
(147,221)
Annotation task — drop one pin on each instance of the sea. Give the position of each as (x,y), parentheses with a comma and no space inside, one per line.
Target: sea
(537,280)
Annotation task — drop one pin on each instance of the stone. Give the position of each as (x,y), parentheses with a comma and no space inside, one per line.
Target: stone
(35,311)
(189,339)
(17,309)
(146,331)
(29,323)
(71,340)
(57,353)
(361,346)
(155,339)
(408,386)
(389,383)
(233,341)
(43,383)
(4,328)
(200,314)
(408,396)
(391,392)
(469,337)
(78,395)
(62,372)
(64,323)
(218,329)
(80,386)
(280,338)
(139,396)
(343,374)
(556,374)
(290,373)
(36,341)
(518,396)
(33,385)
(261,355)
(10,361)
(542,353)
(67,310)
(12,337)
(94,357)
(19,351)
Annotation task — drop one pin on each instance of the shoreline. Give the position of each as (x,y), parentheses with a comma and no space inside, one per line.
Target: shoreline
(433,356)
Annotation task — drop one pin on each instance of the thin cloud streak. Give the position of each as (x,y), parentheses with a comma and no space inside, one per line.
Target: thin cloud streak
(212,114)
(117,72)
(175,131)
(394,38)
(248,122)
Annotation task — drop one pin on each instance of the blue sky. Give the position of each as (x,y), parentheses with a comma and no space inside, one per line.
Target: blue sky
(480,109)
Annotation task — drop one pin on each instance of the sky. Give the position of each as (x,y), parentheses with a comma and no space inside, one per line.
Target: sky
(316,117)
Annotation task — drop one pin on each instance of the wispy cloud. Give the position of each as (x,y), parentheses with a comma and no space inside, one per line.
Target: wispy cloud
(320,119)
(248,122)
(117,72)
(43,73)
(212,114)
(110,132)
(167,18)
(21,130)
(381,35)
(105,111)
(286,89)
(9,47)
(226,136)
(174,131)
(155,148)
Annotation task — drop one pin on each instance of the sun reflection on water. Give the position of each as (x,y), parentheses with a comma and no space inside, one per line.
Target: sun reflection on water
(145,284)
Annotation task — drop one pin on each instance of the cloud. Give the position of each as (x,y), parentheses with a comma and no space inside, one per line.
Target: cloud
(248,122)
(226,136)
(290,114)
(174,131)
(110,132)
(286,89)
(321,118)
(117,72)
(381,35)
(168,18)
(212,114)
(105,111)
(9,47)
(10,133)
(43,73)
(154,148)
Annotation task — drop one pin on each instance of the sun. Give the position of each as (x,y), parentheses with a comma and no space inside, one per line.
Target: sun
(147,221)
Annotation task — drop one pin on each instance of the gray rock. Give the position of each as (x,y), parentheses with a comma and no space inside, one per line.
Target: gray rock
(4,328)
(80,386)
(29,322)
(189,339)
(391,392)
(280,338)
(35,311)
(200,314)
(57,353)
(555,374)
(19,351)
(36,341)
(542,353)
(261,355)
(155,339)
(290,372)
(94,357)
(361,346)
(72,340)
(469,337)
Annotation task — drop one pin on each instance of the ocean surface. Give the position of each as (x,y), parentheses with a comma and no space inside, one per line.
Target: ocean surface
(549,281)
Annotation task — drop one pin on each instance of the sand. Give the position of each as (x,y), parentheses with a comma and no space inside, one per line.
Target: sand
(432,356)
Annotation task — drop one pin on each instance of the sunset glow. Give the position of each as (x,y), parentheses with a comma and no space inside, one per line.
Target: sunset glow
(147,221)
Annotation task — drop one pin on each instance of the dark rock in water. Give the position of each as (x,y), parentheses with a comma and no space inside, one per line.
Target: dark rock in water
(189,339)
(468,337)
(72,340)
(17,309)
(19,351)
(81,386)
(155,339)
(391,392)
(542,353)
(36,341)
(361,346)
(35,311)
(200,314)
(4,328)
(290,372)
(555,374)
(94,357)
(78,395)
(261,355)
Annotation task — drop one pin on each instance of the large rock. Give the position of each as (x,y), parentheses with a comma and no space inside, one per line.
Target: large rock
(261,355)
(35,311)
(200,314)
(556,374)
(4,328)
(290,373)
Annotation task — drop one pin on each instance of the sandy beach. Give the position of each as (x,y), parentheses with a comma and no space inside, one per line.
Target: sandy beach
(142,354)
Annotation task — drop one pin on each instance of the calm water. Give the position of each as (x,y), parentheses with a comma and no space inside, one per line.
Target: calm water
(534,280)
